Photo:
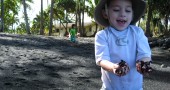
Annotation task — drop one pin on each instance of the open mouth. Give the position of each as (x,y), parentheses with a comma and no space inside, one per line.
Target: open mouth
(122,21)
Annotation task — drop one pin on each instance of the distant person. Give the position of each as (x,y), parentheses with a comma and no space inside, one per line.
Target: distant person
(121,49)
(73,33)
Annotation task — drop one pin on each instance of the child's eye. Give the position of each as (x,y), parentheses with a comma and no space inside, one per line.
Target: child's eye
(116,10)
(128,10)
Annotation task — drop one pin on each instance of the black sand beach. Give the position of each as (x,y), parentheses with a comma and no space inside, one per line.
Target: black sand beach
(51,63)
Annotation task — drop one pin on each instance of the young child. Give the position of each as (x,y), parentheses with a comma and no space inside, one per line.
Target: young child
(121,49)
(73,33)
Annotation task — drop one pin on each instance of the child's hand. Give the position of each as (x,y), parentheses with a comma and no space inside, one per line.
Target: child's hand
(123,69)
(78,35)
(143,67)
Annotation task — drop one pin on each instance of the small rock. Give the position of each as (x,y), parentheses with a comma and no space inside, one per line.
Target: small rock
(163,66)
(8,83)
(169,49)
(75,72)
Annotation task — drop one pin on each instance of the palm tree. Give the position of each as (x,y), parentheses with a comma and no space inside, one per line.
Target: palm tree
(82,25)
(80,9)
(42,20)
(90,12)
(149,16)
(36,25)
(2,16)
(26,18)
(163,8)
(69,7)
(51,17)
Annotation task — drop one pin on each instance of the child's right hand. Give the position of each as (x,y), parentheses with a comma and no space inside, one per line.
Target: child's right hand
(122,70)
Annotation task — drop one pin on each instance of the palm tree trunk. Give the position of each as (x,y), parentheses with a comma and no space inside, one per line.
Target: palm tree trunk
(42,20)
(79,18)
(26,18)
(166,23)
(77,4)
(2,16)
(66,18)
(51,17)
(149,16)
(83,29)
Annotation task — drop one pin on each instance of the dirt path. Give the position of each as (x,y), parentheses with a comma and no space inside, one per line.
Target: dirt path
(50,63)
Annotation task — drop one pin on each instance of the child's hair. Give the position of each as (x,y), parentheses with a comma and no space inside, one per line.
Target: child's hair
(108,2)
(73,25)
(106,6)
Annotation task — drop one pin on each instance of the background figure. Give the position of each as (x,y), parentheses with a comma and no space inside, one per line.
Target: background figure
(73,33)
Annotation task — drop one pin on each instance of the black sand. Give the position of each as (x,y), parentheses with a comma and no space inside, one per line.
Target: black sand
(51,63)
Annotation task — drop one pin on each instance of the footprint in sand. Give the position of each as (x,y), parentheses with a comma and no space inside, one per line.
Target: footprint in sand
(55,75)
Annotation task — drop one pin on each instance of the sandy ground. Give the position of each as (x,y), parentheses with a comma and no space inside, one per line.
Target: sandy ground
(51,63)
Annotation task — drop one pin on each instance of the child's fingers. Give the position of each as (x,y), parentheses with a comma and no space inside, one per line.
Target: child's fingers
(125,70)
(122,70)
(138,67)
(143,67)
(116,66)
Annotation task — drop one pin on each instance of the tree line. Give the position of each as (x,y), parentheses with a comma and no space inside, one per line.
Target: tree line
(154,22)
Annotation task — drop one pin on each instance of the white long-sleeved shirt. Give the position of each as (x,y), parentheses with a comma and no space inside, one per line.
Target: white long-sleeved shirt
(129,45)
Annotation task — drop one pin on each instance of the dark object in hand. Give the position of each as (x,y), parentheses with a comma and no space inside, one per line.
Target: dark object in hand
(123,68)
(145,67)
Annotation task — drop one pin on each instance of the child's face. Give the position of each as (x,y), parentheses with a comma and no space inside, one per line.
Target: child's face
(74,26)
(120,14)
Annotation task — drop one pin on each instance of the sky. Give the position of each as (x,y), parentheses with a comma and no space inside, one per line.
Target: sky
(36,7)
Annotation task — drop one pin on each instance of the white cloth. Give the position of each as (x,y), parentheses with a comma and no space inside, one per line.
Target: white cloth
(129,45)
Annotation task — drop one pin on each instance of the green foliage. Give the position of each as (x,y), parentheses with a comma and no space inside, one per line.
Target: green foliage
(11,9)
(36,23)
(160,10)
(21,29)
(68,5)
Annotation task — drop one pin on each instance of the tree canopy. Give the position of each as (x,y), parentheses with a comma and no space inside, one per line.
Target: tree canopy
(66,11)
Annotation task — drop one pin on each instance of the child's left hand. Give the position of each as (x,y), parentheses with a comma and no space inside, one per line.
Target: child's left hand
(78,35)
(143,67)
